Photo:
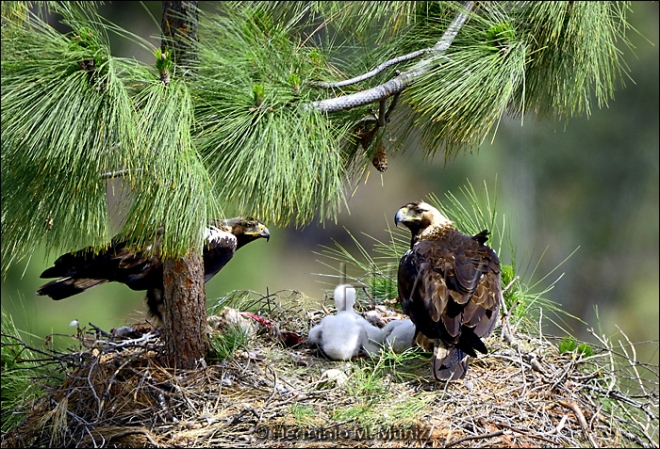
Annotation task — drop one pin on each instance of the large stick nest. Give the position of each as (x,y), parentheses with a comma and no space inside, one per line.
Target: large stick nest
(524,393)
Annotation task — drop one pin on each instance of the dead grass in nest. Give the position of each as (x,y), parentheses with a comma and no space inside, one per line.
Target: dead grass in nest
(523,394)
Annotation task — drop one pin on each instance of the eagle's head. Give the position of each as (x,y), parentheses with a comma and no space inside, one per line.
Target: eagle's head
(245,229)
(421,218)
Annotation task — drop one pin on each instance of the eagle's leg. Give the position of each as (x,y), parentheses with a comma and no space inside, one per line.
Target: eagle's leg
(155,303)
(449,362)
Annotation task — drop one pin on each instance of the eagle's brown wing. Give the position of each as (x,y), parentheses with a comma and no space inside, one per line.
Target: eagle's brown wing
(143,270)
(84,269)
(451,290)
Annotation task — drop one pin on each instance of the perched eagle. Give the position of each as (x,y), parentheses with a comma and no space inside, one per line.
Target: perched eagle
(449,285)
(84,269)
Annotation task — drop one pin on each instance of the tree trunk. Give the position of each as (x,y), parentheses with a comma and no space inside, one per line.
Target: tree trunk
(179,25)
(184,311)
(184,296)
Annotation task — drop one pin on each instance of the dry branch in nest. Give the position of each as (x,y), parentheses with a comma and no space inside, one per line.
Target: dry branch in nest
(524,393)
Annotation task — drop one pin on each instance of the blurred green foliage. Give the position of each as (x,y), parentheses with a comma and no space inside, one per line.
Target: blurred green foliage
(570,344)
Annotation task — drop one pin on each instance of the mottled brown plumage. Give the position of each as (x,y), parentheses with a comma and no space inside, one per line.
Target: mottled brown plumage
(143,270)
(449,285)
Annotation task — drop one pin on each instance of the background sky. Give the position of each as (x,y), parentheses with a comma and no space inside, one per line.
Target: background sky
(590,183)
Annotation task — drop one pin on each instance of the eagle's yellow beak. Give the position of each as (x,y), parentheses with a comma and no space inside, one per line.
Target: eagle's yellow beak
(258,231)
(264,232)
(402,215)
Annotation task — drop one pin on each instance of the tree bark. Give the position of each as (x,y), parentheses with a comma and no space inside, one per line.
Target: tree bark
(183,278)
(179,26)
(184,311)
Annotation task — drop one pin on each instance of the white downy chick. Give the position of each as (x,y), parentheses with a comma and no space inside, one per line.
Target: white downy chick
(399,334)
(345,297)
(341,336)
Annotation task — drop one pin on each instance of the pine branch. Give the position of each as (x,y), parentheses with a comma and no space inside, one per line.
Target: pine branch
(119,173)
(374,72)
(398,84)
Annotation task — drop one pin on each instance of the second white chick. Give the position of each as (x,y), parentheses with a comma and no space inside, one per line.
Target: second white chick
(341,336)
(345,297)
(399,334)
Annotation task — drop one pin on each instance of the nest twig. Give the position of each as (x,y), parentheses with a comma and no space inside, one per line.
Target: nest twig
(116,393)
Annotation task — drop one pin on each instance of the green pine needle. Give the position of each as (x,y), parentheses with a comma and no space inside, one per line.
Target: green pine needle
(267,157)
(173,188)
(573,55)
(239,136)
(225,343)
(21,366)
(470,87)
(67,118)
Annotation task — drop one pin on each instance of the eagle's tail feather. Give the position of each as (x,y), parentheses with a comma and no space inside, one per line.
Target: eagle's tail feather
(449,362)
(78,263)
(423,341)
(68,286)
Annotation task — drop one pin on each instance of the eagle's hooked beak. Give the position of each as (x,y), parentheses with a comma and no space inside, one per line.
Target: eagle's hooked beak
(258,231)
(401,215)
(263,231)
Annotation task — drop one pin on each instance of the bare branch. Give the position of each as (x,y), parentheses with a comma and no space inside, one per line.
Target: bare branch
(395,85)
(119,173)
(395,99)
(475,437)
(583,422)
(381,113)
(374,72)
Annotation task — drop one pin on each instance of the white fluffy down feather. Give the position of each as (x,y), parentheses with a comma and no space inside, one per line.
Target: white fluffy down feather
(399,334)
(341,336)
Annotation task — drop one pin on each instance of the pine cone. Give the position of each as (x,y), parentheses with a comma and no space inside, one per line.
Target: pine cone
(380,158)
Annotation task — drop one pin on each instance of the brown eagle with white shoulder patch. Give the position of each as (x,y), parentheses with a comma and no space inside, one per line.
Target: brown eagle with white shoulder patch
(449,284)
(143,269)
